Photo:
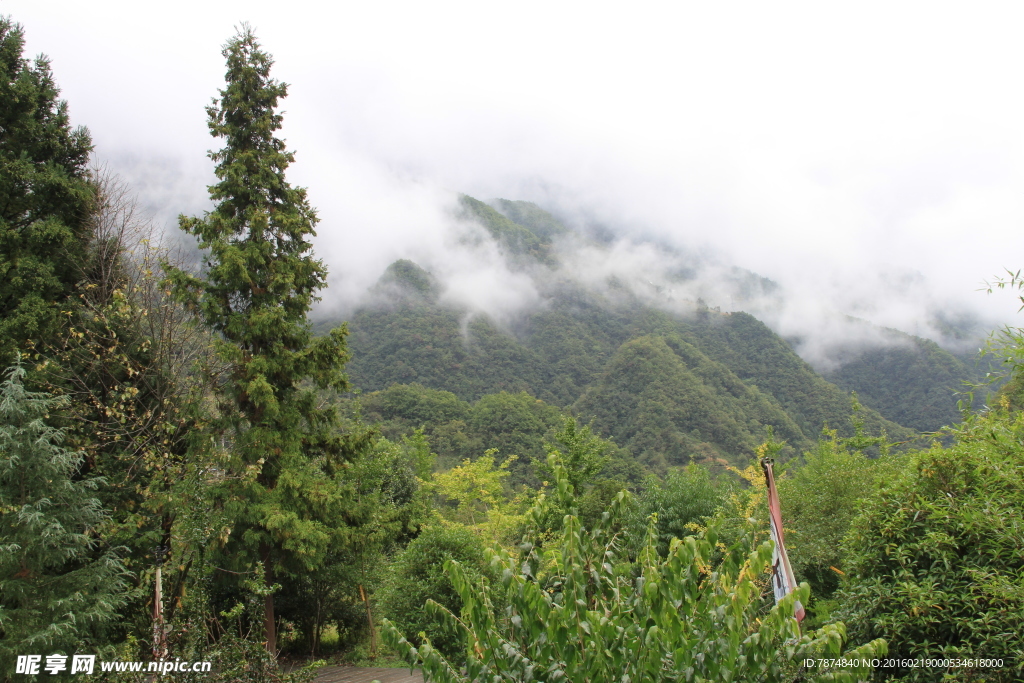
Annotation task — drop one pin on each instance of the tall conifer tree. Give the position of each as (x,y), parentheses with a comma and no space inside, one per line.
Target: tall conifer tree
(259,282)
(58,588)
(45,198)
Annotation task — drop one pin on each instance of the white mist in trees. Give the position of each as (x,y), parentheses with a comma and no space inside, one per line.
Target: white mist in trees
(259,283)
(58,587)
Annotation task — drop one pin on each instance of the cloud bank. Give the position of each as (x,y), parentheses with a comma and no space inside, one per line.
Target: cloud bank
(867,159)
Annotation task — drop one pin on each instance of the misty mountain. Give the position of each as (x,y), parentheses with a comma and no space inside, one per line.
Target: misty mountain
(668,377)
(910,380)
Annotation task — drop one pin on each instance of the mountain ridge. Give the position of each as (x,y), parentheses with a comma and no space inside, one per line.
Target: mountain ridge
(719,377)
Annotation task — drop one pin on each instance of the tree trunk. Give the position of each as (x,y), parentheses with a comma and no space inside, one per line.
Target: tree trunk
(269,625)
(178,592)
(162,554)
(369,620)
(317,626)
(159,634)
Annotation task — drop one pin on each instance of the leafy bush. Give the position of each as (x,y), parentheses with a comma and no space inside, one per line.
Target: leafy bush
(687,497)
(822,497)
(936,558)
(236,660)
(230,639)
(418,575)
(578,612)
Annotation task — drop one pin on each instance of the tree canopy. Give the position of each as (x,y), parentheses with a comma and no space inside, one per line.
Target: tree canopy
(259,282)
(45,198)
(59,585)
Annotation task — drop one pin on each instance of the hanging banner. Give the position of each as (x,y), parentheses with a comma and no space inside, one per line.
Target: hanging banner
(783,580)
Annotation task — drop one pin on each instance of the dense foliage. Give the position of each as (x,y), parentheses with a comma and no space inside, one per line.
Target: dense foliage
(824,494)
(561,350)
(520,243)
(936,560)
(60,585)
(571,490)
(910,380)
(578,610)
(259,283)
(670,404)
(511,424)
(682,504)
(418,576)
(720,378)
(45,199)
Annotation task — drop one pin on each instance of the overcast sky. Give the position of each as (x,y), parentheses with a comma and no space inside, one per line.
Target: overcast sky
(837,150)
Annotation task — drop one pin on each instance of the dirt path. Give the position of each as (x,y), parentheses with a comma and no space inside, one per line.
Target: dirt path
(366,674)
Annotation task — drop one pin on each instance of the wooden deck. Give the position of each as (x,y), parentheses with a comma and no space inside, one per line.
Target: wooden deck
(366,674)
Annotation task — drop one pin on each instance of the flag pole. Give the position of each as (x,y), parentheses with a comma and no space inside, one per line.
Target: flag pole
(783,579)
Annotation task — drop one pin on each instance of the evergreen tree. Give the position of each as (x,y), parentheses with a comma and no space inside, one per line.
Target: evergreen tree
(57,586)
(45,197)
(257,286)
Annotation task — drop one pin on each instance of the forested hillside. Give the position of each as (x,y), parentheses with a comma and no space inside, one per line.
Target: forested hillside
(669,384)
(910,380)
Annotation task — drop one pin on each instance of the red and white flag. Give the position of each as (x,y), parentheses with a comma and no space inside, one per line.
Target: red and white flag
(783,580)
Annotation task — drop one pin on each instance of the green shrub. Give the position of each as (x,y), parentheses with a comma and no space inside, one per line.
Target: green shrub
(578,612)
(418,575)
(821,497)
(936,557)
(688,497)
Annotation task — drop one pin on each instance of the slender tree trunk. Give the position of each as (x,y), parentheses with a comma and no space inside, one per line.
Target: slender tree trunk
(179,591)
(163,554)
(317,625)
(269,625)
(366,601)
(159,635)
(369,620)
